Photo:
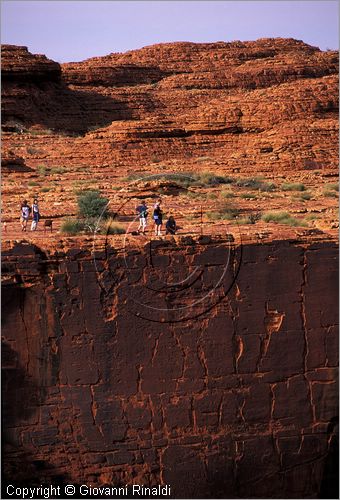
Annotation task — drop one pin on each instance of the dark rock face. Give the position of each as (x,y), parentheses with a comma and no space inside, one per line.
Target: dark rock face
(235,398)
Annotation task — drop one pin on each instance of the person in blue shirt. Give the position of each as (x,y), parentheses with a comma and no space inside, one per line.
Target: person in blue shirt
(142,211)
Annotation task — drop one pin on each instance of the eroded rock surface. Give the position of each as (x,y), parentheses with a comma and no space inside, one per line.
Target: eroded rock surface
(230,393)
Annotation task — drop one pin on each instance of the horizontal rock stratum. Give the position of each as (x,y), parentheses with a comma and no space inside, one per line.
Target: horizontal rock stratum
(266,104)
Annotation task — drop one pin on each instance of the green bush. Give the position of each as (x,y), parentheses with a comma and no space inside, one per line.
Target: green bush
(297,186)
(330,194)
(334,186)
(303,196)
(57,170)
(226,212)
(227,194)
(252,196)
(91,204)
(33,183)
(255,183)
(45,189)
(212,179)
(41,169)
(72,227)
(282,218)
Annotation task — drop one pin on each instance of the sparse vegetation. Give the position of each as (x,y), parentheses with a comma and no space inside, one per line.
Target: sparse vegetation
(332,186)
(330,194)
(46,131)
(203,158)
(227,194)
(303,196)
(33,151)
(282,218)
(225,212)
(110,226)
(92,204)
(45,189)
(57,170)
(291,186)
(251,196)
(32,183)
(256,183)
(212,179)
(41,169)
(72,227)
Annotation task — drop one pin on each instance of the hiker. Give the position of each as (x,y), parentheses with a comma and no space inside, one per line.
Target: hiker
(170,225)
(158,218)
(142,211)
(35,215)
(25,213)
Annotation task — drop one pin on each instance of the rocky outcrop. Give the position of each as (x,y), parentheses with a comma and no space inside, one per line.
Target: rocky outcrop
(266,104)
(208,366)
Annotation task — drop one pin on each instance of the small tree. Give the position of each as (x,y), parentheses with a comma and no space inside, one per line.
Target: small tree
(91,204)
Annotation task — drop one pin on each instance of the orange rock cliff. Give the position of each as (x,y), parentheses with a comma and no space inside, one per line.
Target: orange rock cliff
(207,361)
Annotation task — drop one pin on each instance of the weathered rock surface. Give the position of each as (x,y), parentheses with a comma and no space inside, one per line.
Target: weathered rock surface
(270,104)
(228,394)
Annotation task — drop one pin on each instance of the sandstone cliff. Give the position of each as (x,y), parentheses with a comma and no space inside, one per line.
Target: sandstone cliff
(265,104)
(223,386)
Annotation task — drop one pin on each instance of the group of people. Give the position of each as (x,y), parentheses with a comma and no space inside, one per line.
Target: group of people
(26,211)
(142,211)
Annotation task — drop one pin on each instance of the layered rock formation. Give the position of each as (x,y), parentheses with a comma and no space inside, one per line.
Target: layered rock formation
(262,105)
(208,366)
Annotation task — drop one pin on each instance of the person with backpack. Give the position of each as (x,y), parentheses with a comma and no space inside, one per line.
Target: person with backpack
(24,216)
(171,226)
(158,218)
(142,211)
(35,215)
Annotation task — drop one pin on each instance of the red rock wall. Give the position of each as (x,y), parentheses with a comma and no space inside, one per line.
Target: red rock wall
(228,388)
(262,105)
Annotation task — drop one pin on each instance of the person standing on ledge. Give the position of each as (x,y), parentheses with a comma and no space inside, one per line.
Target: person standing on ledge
(158,218)
(142,210)
(35,215)
(25,213)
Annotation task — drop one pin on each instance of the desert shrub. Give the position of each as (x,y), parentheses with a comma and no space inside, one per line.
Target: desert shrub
(291,186)
(32,183)
(41,169)
(227,194)
(91,204)
(332,186)
(110,226)
(45,189)
(212,179)
(312,217)
(203,158)
(251,196)
(303,196)
(211,196)
(330,194)
(57,170)
(282,218)
(33,151)
(244,220)
(72,226)
(255,183)
(225,212)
